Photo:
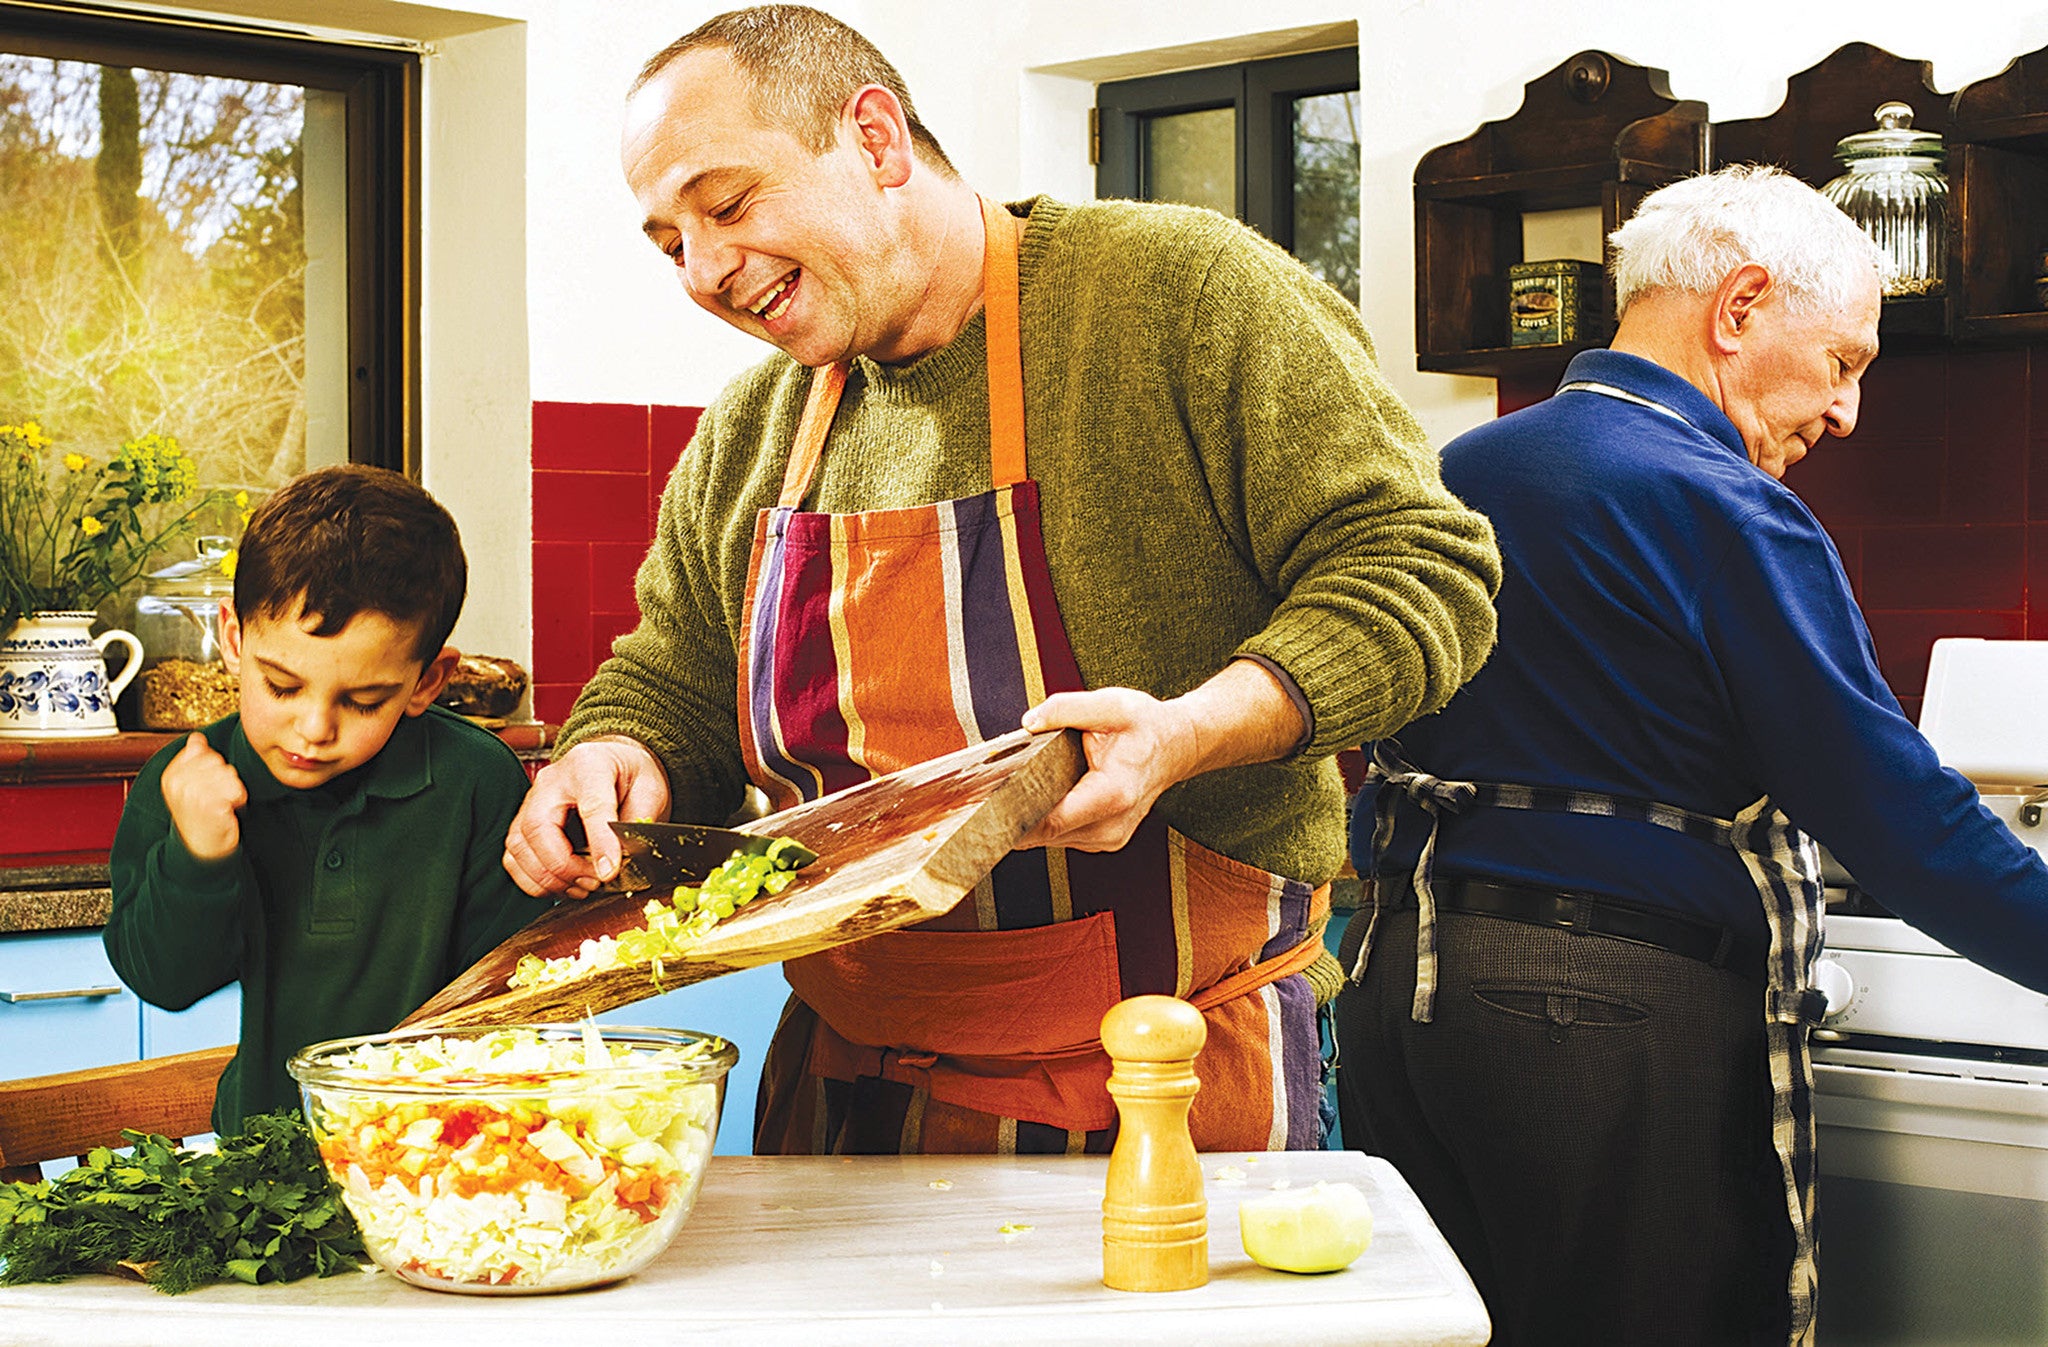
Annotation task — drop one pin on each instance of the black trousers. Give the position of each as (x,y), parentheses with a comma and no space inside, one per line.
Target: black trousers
(1586,1120)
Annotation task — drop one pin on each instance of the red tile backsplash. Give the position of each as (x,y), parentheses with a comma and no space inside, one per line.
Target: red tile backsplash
(606,628)
(590,437)
(1910,400)
(1987,437)
(590,507)
(598,472)
(612,568)
(561,612)
(1974,566)
(1871,479)
(1928,501)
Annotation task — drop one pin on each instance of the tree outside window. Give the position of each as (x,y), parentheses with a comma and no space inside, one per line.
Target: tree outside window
(155,222)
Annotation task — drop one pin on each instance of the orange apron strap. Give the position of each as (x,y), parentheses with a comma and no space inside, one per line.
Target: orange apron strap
(1005,373)
(1259,974)
(827,383)
(1005,352)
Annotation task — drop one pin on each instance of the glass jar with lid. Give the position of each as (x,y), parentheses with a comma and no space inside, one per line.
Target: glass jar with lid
(1894,187)
(184,683)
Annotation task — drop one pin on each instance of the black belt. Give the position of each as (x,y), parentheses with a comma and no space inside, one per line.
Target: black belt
(1706,941)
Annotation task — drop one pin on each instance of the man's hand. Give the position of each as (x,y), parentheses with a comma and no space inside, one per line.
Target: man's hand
(203,791)
(1137,746)
(602,780)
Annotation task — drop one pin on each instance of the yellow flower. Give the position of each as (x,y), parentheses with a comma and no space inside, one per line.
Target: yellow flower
(74,462)
(241,500)
(91,527)
(228,560)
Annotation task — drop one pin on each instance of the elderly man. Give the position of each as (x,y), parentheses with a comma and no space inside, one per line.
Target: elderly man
(1580,1026)
(1222,550)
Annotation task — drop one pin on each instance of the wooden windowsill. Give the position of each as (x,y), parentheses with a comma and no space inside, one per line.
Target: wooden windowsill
(114,756)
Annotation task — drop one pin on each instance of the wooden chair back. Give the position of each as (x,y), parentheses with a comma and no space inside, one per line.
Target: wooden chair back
(66,1115)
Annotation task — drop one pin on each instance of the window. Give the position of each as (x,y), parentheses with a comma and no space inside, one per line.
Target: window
(210,232)
(1274,143)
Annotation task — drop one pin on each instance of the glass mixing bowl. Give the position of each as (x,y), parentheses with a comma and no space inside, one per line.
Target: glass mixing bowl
(516,1158)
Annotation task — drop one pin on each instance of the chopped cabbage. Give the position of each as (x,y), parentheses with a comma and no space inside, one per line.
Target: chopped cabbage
(570,1161)
(674,926)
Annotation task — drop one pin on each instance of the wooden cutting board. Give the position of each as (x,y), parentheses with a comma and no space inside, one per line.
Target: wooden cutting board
(893,851)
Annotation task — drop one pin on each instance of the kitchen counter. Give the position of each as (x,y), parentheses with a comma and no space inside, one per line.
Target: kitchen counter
(54,898)
(830,1250)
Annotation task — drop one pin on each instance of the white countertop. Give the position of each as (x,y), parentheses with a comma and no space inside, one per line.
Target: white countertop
(855,1251)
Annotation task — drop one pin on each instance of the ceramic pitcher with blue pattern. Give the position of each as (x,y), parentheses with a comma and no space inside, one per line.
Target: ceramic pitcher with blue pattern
(53,677)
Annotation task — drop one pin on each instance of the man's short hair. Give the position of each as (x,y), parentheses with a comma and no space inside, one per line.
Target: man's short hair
(1690,235)
(352,539)
(804,65)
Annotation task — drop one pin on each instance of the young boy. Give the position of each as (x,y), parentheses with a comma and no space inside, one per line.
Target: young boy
(336,846)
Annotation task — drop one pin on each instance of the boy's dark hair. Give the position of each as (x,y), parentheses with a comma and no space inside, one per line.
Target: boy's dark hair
(804,64)
(350,539)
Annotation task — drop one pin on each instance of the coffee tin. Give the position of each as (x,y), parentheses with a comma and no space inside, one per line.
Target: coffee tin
(1547,300)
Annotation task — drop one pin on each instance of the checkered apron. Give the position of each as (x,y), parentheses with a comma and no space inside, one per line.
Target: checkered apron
(1784,864)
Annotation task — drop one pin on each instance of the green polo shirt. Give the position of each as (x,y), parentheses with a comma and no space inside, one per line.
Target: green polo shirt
(345,908)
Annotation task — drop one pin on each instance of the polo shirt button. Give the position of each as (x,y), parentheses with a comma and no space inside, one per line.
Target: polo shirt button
(334,860)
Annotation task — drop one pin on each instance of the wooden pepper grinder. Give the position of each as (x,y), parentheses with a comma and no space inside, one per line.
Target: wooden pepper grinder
(1155,1214)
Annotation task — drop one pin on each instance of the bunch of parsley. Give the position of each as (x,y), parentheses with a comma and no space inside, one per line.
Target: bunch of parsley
(257,1208)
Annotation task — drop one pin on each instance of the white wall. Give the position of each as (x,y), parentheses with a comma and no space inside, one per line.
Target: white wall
(539,285)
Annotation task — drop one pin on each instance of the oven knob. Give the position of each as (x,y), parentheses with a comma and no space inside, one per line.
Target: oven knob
(1836,983)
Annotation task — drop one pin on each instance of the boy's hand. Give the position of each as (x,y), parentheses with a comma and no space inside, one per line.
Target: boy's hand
(601,779)
(203,792)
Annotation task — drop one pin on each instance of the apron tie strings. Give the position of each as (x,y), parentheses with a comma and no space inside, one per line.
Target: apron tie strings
(1434,795)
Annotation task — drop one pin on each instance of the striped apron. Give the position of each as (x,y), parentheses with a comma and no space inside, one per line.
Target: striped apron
(874,641)
(1784,864)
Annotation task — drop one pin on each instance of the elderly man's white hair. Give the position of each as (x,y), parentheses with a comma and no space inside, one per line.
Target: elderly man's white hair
(1690,235)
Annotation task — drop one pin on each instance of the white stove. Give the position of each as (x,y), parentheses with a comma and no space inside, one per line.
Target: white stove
(1931,1072)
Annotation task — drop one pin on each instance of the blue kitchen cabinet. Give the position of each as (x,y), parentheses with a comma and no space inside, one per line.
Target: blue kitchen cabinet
(742,1007)
(61,1006)
(207,1023)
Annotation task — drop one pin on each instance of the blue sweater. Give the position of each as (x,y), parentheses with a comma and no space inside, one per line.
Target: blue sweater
(1676,626)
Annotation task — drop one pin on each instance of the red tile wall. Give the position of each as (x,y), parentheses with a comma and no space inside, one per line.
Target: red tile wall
(598,472)
(1938,503)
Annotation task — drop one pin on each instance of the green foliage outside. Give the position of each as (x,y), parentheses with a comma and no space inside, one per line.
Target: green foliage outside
(154,230)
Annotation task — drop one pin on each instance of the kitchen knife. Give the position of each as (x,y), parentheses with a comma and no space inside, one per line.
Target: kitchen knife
(665,855)
(894,851)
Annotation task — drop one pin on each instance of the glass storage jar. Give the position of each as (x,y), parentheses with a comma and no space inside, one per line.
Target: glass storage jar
(1895,189)
(185,685)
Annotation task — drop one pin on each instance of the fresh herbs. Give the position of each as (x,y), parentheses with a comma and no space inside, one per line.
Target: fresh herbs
(256,1209)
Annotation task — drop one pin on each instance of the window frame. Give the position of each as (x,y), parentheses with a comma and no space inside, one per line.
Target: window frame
(1262,91)
(382,90)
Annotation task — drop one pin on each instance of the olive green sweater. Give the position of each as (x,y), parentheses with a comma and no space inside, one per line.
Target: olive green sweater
(1223,472)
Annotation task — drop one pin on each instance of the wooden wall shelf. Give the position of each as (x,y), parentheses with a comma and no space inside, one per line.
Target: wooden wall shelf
(1601,131)
(1594,131)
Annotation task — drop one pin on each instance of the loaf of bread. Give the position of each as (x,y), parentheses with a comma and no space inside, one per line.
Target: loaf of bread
(485,686)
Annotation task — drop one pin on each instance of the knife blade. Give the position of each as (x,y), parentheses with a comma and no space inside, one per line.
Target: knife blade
(665,855)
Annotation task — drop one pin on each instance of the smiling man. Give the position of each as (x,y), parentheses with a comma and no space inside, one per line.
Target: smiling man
(1580,1027)
(1119,467)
